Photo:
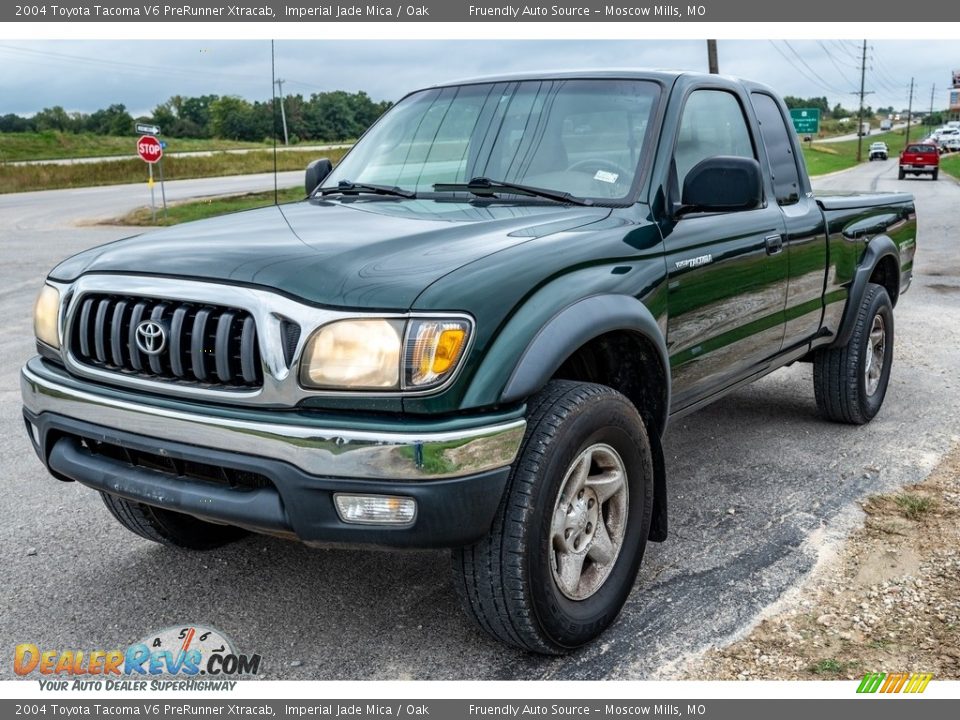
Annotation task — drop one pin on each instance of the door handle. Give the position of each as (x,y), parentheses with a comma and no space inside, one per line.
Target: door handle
(774,244)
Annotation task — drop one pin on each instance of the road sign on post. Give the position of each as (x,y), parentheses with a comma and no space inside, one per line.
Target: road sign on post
(149,149)
(145,129)
(806,121)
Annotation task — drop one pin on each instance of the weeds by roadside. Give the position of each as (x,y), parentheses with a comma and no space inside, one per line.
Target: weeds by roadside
(890,600)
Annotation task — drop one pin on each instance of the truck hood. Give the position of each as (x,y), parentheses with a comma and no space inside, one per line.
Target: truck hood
(370,253)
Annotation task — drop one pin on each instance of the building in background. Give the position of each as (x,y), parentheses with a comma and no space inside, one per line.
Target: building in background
(953,100)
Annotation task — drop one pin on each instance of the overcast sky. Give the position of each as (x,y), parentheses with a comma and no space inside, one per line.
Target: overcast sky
(87,75)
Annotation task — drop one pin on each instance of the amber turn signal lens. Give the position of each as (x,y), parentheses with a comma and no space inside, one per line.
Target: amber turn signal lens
(434,348)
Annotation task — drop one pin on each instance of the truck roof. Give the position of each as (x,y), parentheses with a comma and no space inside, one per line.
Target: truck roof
(665,76)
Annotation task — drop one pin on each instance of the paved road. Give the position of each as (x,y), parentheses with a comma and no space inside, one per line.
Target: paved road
(759,486)
(183,154)
(853,135)
(56,209)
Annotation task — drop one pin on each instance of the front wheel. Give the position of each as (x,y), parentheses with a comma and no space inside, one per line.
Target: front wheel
(564,550)
(850,382)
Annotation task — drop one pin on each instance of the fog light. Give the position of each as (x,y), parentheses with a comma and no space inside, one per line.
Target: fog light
(376,509)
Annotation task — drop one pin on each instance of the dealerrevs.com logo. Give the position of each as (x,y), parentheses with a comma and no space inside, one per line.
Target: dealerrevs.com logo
(187,652)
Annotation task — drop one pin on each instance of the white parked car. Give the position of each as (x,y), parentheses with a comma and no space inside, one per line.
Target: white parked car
(879,151)
(952,145)
(945,135)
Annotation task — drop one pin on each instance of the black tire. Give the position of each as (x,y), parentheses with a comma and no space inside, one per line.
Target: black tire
(901,175)
(839,374)
(936,174)
(170,528)
(506,581)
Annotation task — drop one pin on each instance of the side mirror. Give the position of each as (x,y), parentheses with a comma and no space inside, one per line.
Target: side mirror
(317,172)
(722,183)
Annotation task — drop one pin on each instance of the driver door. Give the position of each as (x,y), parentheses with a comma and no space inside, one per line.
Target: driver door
(727,272)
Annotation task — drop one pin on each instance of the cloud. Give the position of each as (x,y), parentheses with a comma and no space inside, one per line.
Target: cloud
(87,75)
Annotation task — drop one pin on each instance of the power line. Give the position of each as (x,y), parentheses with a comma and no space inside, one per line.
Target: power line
(883,76)
(835,64)
(127,66)
(799,70)
(805,64)
(119,65)
(847,59)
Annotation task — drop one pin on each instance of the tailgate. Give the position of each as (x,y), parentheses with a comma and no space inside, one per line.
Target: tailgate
(925,158)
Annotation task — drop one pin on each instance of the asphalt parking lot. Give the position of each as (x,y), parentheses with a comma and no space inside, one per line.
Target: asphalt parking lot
(759,486)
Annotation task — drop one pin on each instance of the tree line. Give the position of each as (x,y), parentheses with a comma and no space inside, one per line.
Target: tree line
(335,115)
(837,111)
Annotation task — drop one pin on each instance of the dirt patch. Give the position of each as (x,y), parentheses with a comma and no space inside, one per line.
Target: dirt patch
(889,601)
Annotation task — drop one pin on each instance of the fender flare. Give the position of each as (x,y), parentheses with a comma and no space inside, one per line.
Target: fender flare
(877,249)
(573,327)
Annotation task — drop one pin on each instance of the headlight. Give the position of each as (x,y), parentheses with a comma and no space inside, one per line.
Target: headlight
(46,313)
(357,354)
(384,354)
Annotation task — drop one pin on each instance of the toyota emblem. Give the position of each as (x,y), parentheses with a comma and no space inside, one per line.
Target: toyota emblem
(151,337)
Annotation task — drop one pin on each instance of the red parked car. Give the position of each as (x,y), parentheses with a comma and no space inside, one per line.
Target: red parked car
(920,158)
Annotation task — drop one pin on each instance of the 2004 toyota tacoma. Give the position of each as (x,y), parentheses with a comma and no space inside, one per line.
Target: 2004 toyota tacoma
(472,335)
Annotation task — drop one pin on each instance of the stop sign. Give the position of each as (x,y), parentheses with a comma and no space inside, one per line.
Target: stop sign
(149,149)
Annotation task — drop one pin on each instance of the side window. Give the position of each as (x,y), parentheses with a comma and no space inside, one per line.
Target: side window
(712,124)
(776,138)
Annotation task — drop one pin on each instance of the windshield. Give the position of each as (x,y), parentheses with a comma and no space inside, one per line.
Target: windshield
(583,137)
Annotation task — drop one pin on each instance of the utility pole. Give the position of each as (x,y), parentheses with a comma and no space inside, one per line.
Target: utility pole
(283,114)
(932,91)
(909,114)
(863,78)
(712,57)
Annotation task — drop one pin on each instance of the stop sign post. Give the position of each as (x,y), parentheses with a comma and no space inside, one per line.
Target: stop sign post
(150,151)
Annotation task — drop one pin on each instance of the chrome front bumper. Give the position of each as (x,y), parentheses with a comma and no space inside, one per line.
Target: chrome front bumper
(315,449)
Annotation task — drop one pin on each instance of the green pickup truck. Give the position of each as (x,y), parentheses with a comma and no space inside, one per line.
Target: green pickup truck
(472,334)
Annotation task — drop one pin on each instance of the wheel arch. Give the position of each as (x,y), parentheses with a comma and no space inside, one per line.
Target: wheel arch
(593,325)
(879,264)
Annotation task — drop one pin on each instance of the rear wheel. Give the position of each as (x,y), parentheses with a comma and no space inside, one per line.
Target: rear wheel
(936,173)
(169,528)
(901,175)
(850,382)
(565,547)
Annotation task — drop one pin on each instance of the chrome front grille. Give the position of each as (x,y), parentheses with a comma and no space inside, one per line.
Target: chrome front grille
(183,342)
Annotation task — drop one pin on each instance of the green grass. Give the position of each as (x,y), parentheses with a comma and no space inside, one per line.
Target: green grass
(201,209)
(913,507)
(828,666)
(54,145)
(23,178)
(823,158)
(950,164)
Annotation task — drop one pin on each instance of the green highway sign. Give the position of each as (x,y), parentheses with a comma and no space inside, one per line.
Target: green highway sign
(806,121)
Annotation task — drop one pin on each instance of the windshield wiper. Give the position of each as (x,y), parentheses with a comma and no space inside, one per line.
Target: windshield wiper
(347,187)
(485,187)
